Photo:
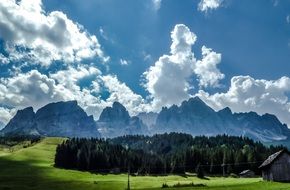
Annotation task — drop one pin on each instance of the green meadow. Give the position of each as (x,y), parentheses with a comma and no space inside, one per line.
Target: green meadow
(32,168)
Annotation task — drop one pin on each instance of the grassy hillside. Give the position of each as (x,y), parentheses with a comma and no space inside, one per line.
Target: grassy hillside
(32,168)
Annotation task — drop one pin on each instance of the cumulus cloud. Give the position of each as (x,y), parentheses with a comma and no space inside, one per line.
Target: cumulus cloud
(206,5)
(87,96)
(167,80)
(122,93)
(248,94)
(37,89)
(206,69)
(29,32)
(6,114)
(28,89)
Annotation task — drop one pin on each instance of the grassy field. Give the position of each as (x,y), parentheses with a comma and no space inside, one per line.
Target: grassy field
(32,168)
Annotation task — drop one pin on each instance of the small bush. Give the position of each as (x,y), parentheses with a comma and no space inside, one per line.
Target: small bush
(233,175)
(164,185)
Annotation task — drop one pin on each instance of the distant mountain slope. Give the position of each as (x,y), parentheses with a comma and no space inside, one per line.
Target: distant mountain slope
(21,123)
(2,125)
(63,119)
(197,118)
(148,119)
(116,121)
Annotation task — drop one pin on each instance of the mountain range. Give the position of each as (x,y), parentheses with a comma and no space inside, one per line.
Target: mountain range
(192,116)
(196,118)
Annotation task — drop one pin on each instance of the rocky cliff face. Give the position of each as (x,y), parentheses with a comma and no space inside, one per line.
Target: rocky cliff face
(116,121)
(64,119)
(115,114)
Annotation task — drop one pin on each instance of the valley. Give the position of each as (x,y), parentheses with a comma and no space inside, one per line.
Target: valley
(32,168)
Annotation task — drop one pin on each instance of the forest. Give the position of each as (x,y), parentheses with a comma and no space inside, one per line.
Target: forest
(164,154)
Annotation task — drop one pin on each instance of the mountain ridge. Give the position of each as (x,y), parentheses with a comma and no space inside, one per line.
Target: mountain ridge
(195,117)
(192,116)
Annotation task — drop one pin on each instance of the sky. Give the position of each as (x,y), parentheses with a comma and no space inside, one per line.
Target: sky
(146,54)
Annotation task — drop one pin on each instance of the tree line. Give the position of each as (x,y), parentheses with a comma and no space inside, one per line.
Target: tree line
(164,154)
(14,140)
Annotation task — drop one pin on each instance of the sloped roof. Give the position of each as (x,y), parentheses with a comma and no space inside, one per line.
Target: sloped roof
(272,158)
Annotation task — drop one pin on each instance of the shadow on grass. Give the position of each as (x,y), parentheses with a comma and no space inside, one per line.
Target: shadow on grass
(24,175)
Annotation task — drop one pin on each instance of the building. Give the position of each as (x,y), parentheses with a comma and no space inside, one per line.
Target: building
(277,167)
(247,173)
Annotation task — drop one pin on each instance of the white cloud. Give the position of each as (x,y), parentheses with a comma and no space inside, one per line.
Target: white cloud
(3,59)
(156,4)
(249,94)
(30,89)
(206,69)
(36,89)
(122,93)
(87,96)
(46,37)
(70,77)
(124,62)
(6,114)
(206,5)
(167,80)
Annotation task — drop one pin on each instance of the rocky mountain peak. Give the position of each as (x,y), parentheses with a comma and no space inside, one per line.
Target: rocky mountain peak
(116,113)
(196,106)
(22,121)
(226,111)
(116,121)
(65,119)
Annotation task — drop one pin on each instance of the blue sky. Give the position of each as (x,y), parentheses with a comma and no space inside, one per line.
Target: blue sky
(253,36)
(233,53)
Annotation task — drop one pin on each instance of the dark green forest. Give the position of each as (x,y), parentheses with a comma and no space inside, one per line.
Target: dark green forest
(164,154)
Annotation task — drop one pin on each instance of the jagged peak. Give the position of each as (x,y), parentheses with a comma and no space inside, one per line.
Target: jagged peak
(196,98)
(25,110)
(271,117)
(196,103)
(226,110)
(193,101)
(118,105)
(117,111)
(71,102)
